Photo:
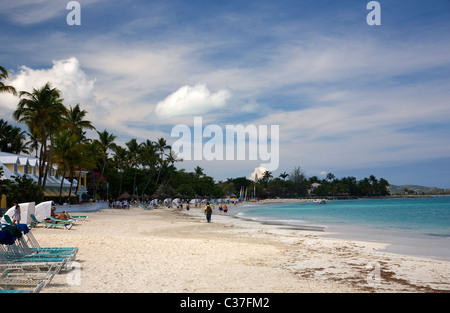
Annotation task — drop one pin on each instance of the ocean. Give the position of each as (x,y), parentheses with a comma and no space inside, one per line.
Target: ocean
(412,226)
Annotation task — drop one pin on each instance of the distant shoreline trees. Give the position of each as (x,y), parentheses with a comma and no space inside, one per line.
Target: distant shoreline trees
(298,185)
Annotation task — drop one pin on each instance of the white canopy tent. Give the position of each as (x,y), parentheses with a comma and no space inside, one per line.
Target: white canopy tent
(43,210)
(26,209)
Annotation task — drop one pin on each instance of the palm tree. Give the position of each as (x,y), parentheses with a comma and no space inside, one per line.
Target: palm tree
(34,143)
(75,119)
(3,87)
(172,157)
(66,147)
(198,171)
(284,175)
(41,111)
(104,142)
(119,160)
(161,145)
(133,157)
(384,184)
(330,177)
(12,139)
(17,140)
(75,123)
(149,157)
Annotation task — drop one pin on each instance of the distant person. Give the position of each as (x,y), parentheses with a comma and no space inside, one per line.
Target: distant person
(225,209)
(16,218)
(208,212)
(187,206)
(220,209)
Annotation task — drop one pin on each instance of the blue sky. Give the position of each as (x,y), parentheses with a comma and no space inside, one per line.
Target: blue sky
(349,98)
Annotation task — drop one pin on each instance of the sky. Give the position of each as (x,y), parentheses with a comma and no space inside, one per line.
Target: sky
(347,97)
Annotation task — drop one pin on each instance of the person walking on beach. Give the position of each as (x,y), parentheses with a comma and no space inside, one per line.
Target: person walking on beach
(208,212)
(225,209)
(16,214)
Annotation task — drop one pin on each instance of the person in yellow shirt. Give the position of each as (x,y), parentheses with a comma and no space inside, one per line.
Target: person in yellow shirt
(208,212)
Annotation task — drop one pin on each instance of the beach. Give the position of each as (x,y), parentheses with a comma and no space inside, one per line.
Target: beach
(168,250)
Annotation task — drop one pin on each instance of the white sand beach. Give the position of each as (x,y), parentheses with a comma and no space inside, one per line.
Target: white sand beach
(172,251)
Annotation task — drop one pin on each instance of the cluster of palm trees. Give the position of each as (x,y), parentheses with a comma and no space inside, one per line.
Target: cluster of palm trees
(58,136)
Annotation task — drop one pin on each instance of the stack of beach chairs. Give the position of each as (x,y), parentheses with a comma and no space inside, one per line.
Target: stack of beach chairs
(25,266)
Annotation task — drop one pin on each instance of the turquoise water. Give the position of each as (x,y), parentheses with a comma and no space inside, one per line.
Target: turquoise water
(429,216)
(418,226)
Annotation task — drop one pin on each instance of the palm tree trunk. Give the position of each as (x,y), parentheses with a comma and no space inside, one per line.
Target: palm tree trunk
(71,180)
(101,175)
(62,181)
(48,162)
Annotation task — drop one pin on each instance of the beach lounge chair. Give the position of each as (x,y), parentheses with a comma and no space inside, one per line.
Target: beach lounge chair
(14,249)
(34,245)
(57,223)
(19,289)
(27,244)
(80,217)
(40,266)
(35,221)
(71,221)
(21,277)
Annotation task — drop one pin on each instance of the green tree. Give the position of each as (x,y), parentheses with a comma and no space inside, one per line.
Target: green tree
(66,152)
(162,146)
(12,139)
(41,111)
(133,158)
(23,189)
(104,143)
(299,182)
(4,88)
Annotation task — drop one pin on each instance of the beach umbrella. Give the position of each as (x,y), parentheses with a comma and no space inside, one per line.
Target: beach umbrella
(125,195)
(160,195)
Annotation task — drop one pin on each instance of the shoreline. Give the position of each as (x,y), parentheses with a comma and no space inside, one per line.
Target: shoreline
(396,241)
(176,251)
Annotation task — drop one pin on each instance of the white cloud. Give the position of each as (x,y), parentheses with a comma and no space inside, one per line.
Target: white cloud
(196,100)
(65,75)
(257,173)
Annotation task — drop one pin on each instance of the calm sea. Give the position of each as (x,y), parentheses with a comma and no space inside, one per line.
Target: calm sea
(414,226)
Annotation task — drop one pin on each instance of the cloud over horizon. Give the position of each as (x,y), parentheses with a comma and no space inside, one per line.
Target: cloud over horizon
(192,100)
(65,75)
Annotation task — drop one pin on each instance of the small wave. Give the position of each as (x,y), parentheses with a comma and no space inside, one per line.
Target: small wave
(297,224)
(439,235)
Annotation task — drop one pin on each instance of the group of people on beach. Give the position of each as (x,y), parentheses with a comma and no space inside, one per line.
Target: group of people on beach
(209,209)
(61,218)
